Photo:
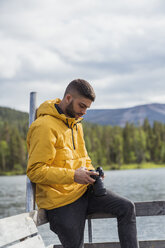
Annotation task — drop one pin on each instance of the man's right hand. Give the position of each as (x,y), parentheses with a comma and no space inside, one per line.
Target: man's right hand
(82,176)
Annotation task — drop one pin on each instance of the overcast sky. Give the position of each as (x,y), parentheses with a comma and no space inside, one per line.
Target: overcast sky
(118,46)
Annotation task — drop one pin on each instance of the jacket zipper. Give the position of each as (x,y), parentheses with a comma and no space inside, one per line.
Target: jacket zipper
(72,132)
(73,139)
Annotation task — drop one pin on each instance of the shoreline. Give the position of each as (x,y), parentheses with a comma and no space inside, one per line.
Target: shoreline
(105,168)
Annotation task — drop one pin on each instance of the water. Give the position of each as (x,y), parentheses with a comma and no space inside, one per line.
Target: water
(137,185)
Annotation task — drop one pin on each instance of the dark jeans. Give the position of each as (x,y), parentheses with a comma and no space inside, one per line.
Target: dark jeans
(68,222)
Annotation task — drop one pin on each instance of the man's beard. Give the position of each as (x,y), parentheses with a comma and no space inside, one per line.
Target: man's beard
(70,111)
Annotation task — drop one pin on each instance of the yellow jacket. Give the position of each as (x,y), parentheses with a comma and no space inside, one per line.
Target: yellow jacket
(56,149)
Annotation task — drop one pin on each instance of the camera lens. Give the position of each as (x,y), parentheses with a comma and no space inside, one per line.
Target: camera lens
(100,171)
(98,186)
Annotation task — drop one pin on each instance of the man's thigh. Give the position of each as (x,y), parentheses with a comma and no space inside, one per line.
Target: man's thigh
(68,222)
(110,203)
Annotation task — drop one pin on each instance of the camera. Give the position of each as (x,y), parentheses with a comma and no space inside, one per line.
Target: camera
(98,186)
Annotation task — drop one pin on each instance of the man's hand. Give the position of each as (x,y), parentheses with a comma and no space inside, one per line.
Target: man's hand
(82,176)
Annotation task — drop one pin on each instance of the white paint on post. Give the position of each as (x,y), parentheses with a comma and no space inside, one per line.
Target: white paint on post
(30,187)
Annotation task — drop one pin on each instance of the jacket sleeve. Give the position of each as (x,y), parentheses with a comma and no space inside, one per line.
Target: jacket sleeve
(89,163)
(41,148)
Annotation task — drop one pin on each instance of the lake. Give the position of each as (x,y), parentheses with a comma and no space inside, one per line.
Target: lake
(137,185)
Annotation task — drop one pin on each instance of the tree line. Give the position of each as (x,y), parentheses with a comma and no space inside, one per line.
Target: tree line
(13,152)
(114,145)
(13,131)
(106,145)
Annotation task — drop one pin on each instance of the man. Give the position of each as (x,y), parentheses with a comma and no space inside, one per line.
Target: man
(59,165)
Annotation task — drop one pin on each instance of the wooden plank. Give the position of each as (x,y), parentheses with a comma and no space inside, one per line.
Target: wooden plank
(39,217)
(153,208)
(30,195)
(15,228)
(142,209)
(34,242)
(51,246)
(103,245)
(150,208)
(142,244)
(90,230)
(152,244)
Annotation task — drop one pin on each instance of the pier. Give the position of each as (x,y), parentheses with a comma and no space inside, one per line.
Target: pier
(20,231)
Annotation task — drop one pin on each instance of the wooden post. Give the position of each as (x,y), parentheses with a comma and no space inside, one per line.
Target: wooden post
(90,230)
(30,187)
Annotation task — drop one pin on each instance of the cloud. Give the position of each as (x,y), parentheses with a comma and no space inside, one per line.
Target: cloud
(118,46)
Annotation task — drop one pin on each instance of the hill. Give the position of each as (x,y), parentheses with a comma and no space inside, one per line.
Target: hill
(114,117)
(110,146)
(12,115)
(119,117)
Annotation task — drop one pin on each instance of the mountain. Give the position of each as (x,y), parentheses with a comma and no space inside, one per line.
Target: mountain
(12,115)
(153,112)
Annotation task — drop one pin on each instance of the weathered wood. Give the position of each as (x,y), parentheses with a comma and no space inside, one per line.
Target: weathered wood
(51,246)
(90,230)
(30,195)
(143,244)
(152,208)
(142,209)
(30,187)
(34,242)
(21,226)
(39,217)
(15,228)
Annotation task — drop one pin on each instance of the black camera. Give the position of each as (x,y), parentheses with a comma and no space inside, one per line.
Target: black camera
(98,186)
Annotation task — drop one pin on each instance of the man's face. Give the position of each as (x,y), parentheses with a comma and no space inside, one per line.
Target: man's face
(77,106)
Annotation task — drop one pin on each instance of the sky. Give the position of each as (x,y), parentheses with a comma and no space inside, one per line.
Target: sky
(117,46)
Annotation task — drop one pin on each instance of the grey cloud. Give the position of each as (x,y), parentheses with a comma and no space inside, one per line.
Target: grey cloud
(119,46)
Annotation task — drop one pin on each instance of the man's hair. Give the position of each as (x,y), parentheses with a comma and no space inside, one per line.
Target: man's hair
(82,87)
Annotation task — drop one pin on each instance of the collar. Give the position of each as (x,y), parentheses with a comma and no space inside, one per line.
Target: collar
(58,109)
(70,122)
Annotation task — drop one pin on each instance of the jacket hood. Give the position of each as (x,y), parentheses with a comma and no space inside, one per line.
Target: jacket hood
(48,108)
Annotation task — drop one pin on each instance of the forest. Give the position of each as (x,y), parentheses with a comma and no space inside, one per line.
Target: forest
(13,151)
(107,146)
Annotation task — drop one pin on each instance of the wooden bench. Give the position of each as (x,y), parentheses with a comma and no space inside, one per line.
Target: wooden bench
(20,231)
(143,209)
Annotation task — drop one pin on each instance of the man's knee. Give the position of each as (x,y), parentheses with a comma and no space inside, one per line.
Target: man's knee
(128,210)
(130,207)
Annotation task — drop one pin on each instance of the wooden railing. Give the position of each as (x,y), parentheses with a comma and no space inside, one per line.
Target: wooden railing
(153,208)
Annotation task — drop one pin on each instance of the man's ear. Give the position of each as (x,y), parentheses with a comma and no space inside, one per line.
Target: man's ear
(68,98)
